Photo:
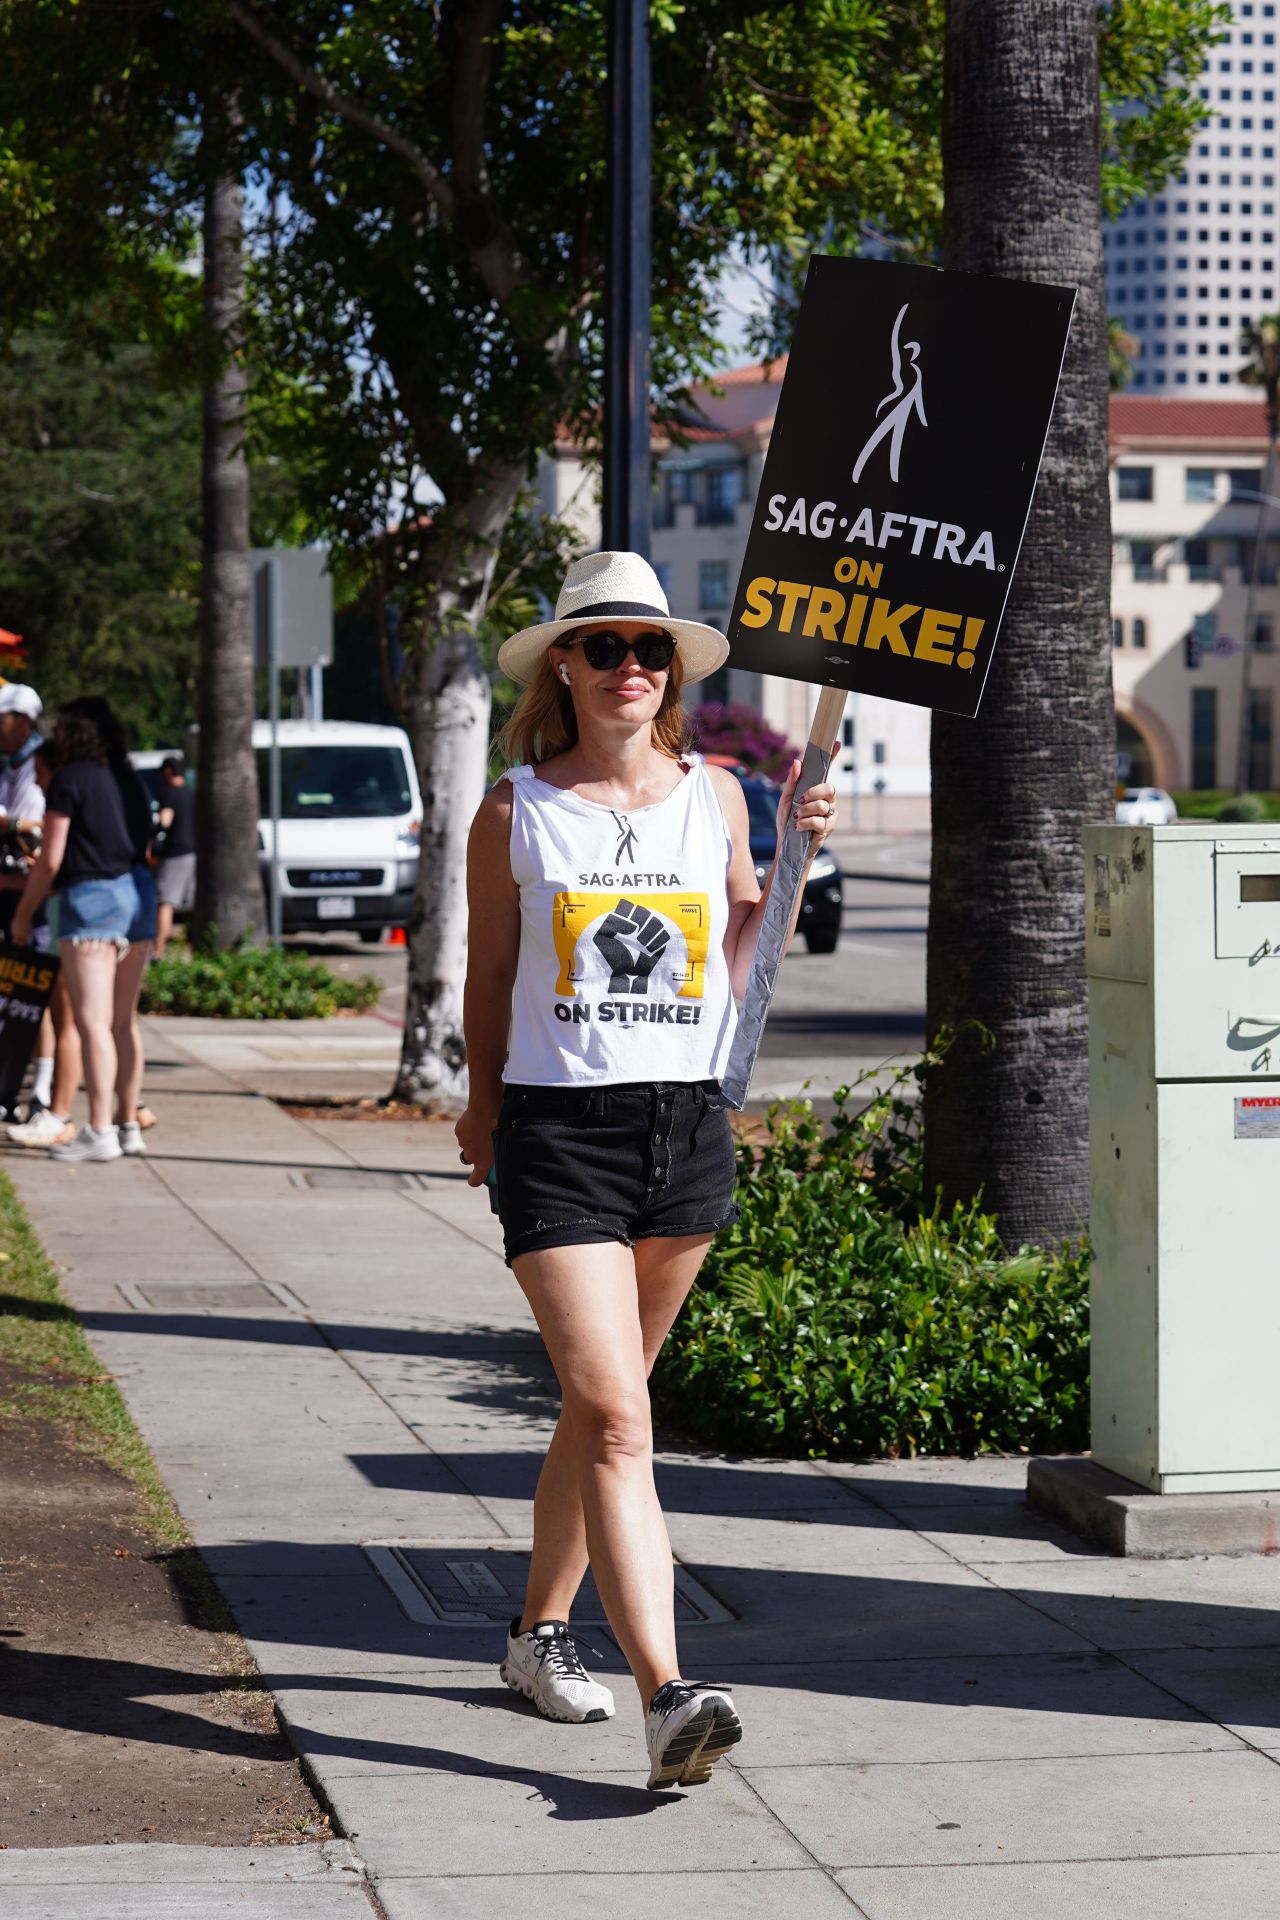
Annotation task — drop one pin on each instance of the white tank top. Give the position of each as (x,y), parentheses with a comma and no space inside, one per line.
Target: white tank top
(622,974)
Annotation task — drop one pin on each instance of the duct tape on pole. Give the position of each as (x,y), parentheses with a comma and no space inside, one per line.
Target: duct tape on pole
(894,498)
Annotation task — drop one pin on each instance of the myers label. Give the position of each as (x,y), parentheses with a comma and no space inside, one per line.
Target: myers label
(1257,1116)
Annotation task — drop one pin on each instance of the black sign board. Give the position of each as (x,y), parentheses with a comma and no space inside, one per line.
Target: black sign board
(26,984)
(898,480)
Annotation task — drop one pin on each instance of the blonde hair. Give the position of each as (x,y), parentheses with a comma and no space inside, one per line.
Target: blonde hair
(545,724)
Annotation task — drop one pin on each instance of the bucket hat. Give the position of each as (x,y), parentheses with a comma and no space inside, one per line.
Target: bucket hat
(599,591)
(17,698)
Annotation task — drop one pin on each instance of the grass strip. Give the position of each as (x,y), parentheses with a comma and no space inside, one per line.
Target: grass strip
(54,1373)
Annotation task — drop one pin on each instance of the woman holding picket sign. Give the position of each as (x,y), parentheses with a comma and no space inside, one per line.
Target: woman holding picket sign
(614,915)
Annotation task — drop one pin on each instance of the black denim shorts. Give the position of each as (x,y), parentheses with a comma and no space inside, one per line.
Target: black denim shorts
(575,1166)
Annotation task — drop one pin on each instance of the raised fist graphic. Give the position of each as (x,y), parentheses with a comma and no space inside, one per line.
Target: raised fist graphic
(632,940)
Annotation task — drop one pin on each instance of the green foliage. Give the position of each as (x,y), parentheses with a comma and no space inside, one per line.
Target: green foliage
(99,533)
(1150,53)
(1206,803)
(840,1319)
(251,983)
(100,527)
(1244,807)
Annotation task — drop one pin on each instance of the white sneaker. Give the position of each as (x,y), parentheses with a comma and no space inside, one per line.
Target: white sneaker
(543,1665)
(44,1129)
(89,1145)
(687,1729)
(131,1140)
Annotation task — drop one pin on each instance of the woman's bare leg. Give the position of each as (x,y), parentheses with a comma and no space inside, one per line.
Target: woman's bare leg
(67,1064)
(662,1272)
(128,1035)
(89,969)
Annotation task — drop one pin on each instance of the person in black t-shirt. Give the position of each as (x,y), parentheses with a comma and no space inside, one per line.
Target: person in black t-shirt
(176,873)
(96,835)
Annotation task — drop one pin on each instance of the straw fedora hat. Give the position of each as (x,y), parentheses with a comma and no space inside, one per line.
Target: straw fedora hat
(598,592)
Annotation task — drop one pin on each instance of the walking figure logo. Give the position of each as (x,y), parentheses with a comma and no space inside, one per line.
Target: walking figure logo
(909,400)
(627,841)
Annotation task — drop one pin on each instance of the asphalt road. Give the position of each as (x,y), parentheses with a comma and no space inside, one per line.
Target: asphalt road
(833,1013)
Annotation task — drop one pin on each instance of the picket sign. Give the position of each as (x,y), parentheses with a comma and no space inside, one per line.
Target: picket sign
(26,986)
(780,906)
(891,512)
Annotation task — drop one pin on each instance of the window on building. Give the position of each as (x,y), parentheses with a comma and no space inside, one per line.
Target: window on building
(1199,564)
(1134,483)
(1264,637)
(1204,737)
(1117,633)
(1244,481)
(1142,554)
(723,494)
(1201,485)
(681,484)
(1138,630)
(1259,739)
(713,584)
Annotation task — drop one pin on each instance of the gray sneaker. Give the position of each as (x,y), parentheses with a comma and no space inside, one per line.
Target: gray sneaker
(131,1140)
(90,1145)
(689,1726)
(543,1665)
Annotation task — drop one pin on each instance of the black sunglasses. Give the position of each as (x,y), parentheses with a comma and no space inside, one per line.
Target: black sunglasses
(604,649)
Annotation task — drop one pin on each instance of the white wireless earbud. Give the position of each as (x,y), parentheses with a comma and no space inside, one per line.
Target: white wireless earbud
(564,673)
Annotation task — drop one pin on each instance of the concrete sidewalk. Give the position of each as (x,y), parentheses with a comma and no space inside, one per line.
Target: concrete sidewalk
(950,1708)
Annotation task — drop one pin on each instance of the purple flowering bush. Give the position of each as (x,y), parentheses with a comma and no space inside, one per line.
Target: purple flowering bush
(740,731)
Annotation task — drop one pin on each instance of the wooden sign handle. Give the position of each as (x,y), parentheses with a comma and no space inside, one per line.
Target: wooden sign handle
(829,712)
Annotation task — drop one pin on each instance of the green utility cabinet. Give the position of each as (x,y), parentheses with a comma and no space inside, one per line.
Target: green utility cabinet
(1183,954)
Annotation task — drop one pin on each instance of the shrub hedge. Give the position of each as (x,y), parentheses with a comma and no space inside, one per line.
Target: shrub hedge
(839,1319)
(251,983)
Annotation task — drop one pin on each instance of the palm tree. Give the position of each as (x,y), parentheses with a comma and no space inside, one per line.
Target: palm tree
(1013,789)
(1262,369)
(229,901)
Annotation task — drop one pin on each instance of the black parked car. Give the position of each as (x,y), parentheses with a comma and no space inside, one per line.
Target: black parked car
(822,908)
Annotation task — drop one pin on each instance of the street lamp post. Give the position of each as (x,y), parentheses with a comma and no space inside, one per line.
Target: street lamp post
(626,505)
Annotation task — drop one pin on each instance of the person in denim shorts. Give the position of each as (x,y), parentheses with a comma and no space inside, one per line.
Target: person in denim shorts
(97,830)
(614,914)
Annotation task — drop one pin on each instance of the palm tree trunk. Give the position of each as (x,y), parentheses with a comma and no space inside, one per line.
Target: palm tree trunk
(447,717)
(1013,789)
(229,901)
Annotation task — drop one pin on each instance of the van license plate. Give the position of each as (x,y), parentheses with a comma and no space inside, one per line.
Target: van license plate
(336,906)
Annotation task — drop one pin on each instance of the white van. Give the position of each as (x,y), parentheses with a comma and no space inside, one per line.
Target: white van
(350,822)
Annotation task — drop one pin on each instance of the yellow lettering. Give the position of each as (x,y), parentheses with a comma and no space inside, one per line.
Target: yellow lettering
(761,608)
(793,592)
(937,636)
(886,624)
(972,632)
(857,614)
(826,607)
(869,573)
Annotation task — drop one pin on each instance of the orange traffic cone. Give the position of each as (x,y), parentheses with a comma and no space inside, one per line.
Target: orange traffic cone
(396,938)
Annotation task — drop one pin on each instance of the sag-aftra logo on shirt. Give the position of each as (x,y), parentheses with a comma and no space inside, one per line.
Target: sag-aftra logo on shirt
(646,951)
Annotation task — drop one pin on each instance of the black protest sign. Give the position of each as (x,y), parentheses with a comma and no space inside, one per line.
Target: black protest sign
(26,984)
(898,480)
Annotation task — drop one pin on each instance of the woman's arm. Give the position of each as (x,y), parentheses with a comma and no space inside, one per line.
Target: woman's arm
(493,949)
(44,871)
(746,900)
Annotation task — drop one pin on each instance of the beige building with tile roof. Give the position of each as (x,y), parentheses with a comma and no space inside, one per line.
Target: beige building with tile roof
(1186,478)
(1186,475)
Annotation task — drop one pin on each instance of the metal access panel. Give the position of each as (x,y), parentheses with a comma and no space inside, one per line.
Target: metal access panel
(1218,1417)
(463,1583)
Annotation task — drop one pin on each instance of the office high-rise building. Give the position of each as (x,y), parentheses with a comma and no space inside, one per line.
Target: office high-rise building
(1187,269)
